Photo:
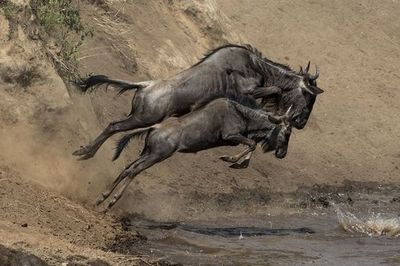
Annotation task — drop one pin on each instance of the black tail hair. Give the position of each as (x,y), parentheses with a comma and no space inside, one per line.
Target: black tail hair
(124,141)
(93,81)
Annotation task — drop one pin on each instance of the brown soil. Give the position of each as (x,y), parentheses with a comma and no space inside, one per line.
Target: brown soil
(352,134)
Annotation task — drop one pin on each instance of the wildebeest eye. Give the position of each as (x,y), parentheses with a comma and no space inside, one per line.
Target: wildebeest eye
(310,82)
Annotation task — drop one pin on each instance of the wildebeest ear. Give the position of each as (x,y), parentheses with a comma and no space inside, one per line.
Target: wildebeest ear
(316,90)
(313,90)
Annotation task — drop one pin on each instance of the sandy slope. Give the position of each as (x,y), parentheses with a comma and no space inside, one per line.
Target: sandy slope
(354,131)
(53,227)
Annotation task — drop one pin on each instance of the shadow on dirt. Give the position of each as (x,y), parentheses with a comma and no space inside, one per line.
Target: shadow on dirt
(12,257)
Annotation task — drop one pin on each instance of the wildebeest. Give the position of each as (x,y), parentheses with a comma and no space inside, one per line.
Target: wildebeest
(227,71)
(222,122)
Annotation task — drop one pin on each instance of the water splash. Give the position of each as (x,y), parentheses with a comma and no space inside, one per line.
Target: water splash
(372,224)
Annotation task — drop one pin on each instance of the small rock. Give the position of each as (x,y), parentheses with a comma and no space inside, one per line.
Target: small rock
(323,201)
(395,199)
(349,200)
(24,225)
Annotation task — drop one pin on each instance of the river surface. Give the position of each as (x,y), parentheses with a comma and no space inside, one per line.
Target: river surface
(331,236)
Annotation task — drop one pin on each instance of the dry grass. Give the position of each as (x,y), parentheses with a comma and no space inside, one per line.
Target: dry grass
(119,33)
(23,76)
(9,8)
(60,21)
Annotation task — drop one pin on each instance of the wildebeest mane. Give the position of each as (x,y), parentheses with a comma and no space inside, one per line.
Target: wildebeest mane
(274,73)
(247,47)
(213,51)
(283,66)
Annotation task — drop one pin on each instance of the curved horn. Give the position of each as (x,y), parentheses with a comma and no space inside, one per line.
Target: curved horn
(301,70)
(289,109)
(314,77)
(308,67)
(287,116)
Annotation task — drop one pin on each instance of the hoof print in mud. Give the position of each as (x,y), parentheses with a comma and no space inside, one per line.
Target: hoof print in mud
(126,243)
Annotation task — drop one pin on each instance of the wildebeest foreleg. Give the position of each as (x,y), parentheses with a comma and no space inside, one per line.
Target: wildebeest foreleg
(235,158)
(242,140)
(90,150)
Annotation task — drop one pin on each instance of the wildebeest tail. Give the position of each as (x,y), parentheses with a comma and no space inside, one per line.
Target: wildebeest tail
(93,81)
(124,141)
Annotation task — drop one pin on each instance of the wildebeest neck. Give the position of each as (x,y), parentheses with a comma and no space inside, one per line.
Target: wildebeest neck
(276,74)
(257,119)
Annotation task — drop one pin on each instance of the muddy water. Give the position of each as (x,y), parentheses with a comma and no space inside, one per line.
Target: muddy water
(308,237)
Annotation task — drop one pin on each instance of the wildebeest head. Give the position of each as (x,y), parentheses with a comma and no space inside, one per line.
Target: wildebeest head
(302,98)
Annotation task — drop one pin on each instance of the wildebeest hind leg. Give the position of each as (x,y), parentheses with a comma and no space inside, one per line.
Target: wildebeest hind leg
(90,150)
(118,180)
(133,171)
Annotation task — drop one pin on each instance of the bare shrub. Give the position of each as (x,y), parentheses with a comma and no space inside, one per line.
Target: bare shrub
(24,76)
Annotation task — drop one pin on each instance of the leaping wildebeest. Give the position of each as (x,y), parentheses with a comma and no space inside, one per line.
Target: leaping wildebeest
(227,71)
(222,122)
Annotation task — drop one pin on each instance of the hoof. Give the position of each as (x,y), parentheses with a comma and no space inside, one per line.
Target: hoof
(111,203)
(102,198)
(241,165)
(99,201)
(101,211)
(114,200)
(227,159)
(82,151)
(104,211)
(86,157)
